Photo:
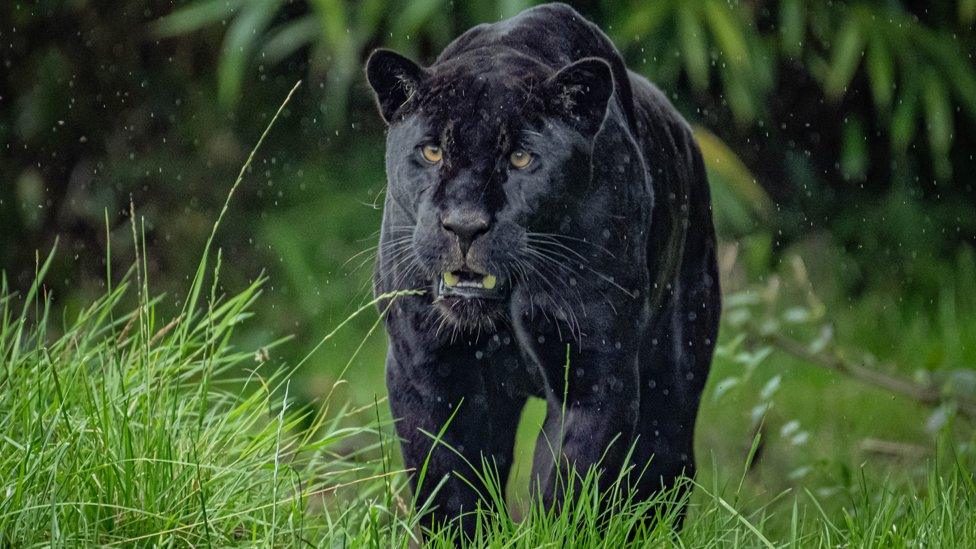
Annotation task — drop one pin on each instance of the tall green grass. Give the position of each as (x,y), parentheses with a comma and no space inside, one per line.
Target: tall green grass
(124,428)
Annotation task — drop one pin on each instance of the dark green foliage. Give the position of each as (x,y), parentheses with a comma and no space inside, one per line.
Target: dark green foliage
(839,138)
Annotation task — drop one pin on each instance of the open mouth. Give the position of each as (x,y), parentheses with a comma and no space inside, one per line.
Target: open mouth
(468,285)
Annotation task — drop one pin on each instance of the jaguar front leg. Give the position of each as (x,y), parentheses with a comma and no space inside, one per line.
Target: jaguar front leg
(592,409)
(453,418)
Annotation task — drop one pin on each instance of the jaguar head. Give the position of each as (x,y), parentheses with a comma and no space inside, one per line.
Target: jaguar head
(488,154)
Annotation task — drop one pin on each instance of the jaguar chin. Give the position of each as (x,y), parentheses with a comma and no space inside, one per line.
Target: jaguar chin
(554,209)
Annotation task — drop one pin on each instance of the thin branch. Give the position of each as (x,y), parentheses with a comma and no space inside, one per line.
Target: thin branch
(925,394)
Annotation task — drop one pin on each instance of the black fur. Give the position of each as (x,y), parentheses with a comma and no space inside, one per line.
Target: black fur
(604,244)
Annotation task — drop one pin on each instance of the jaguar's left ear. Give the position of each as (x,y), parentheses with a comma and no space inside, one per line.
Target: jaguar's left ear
(394,78)
(580,92)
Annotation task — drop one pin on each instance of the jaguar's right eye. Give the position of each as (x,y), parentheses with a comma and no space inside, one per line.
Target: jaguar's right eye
(520,159)
(432,153)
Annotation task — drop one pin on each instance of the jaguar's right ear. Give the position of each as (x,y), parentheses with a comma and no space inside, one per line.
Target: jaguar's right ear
(394,78)
(581,91)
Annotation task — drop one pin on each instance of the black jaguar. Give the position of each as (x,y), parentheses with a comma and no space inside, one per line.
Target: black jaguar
(553,207)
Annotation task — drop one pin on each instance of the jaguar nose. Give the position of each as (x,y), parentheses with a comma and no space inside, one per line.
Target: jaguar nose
(466,226)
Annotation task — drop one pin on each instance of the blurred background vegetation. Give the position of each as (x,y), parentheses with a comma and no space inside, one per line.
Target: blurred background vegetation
(839,137)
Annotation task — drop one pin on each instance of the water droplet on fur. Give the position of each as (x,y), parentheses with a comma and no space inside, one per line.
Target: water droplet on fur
(542,339)
(478,355)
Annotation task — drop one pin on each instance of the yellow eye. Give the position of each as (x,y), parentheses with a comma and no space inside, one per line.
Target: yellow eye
(432,153)
(520,159)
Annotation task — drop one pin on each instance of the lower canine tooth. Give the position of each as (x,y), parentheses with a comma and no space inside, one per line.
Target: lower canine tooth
(489,282)
(451,279)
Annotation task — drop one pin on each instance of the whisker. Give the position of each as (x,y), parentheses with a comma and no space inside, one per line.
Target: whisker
(556,268)
(538,242)
(565,309)
(382,244)
(557,236)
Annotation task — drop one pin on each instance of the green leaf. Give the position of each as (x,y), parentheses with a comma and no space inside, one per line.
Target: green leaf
(643,21)
(370,15)
(955,67)
(693,46)
(903,120)
(334,21)
(727,33)
(239,42)
(880,70)
(721,160)
(740,97)
(412,18)
(792,26)
(938,120)
(724,386)
(194,17)
(286,39)
(733,217)
(847,51)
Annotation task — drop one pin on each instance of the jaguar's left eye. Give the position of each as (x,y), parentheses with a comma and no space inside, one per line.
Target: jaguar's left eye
(432,153)
(520,159)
